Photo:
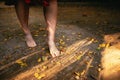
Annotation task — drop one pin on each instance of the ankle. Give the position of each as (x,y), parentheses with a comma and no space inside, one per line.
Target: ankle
(50,43)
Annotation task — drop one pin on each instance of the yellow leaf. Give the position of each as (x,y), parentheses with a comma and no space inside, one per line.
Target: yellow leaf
(78,57)
(58,63)
(83,72)
(107,45)
(21,63)
(61,47)
(95,41)
(43,49)
(39,76)
(5,39)
(38,70)
(92,40)
(79,35)
(99,69)
(39,60)
(42,29)
(67,39)
(36,75)
(77,77)
(44,35)
(62,43)
(91,66)
(63,36)
(36,35)
(44,58)
(102,45)
(44,67)
(77,73)
(73,33)
(98,48)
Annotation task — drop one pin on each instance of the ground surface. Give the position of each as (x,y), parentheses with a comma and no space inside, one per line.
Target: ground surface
(81,35)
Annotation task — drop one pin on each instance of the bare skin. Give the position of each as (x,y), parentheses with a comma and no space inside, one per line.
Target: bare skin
(50,14)
(22,10)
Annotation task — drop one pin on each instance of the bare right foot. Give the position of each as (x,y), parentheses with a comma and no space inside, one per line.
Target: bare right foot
(30,41)
(53,49)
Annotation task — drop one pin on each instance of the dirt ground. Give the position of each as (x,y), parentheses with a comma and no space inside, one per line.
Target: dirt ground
(84,32)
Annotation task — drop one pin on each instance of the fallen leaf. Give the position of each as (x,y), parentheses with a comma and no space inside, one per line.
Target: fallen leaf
(102,45)
(83,72)
(36,35)
(107,45)
(39,60)
(58,63)
(78,57)
(63,36)
(99,69)
(77,77)
(39,76)
(21,63)
(77,73)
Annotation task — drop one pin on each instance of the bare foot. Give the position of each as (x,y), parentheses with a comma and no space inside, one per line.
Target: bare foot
(30,41)
(53,50)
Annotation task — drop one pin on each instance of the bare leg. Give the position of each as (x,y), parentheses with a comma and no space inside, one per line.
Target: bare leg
(22,10)
(50,13)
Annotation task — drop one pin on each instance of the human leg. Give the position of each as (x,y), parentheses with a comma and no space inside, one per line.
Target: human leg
(22,11)
(50,13)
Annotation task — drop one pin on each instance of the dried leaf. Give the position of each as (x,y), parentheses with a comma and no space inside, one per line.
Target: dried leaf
(78,57)
(21,63)
(99,69)
(102,45)
(83,72)
(39,60)
(36,35)
(77,77)
(44,58)
(73,33)
(58,63)
(67,39)
(39,76)
(44,35)
(63,36)
(77,73)
(107,45)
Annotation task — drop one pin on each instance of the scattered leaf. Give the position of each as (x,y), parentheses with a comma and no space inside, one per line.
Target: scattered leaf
(83,72)
(44,35)
(36,35)
(42,29)
(39,60)
(63,36)
(99,69)
(43,49)
(21,63)
(77,77)
(39,76)
(102,45)
(67,39)
(44,67)
(107,45)
(73,33)
(78,57)
(44,58)
(5,39)
(77,73)
(58,63)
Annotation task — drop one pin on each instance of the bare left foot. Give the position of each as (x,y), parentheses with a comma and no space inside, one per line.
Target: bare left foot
(53,49)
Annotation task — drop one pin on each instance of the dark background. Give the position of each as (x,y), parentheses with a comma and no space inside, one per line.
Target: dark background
(85,0)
